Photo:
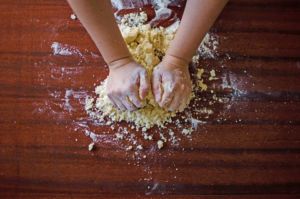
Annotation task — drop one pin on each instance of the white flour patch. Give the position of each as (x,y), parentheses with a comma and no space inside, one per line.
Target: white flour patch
(65,72)
(61,49)
(70,94)
(208,46)
(67,50)
(67,106)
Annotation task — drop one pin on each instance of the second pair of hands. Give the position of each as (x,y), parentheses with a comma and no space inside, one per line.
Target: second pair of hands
(128,84)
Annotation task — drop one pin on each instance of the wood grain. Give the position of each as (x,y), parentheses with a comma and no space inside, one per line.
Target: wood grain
(250,149)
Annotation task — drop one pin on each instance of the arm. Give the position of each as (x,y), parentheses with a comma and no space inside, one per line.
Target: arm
(198,17)
(97,18)
(127,82)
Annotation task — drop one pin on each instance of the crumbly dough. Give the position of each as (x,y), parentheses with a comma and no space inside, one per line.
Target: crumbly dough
(147,46)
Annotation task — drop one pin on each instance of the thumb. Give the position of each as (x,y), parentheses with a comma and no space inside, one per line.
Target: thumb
(144,84)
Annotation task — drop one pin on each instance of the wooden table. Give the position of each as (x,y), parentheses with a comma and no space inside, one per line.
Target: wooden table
(253,153)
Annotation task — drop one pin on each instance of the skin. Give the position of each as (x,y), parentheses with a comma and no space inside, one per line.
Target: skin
(181,51)
(171,83)
(128,83)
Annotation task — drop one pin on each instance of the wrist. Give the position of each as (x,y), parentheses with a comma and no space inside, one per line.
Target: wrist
(120,62)
(175,60)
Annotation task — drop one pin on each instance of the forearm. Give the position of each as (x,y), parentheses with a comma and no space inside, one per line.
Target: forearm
(97,18)
(198,17)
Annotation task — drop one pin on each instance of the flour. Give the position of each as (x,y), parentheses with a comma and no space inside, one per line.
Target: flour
(208,46)
(59,49)
(161,3)
(65,50)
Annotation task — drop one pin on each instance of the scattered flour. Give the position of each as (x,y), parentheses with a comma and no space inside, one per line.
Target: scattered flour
(65,50)
(59,49)
(208,46)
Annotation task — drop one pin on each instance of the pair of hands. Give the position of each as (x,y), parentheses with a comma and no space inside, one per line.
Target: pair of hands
(128,84)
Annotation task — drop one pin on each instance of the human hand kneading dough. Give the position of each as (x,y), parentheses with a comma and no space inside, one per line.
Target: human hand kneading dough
(128,83)
(171,84)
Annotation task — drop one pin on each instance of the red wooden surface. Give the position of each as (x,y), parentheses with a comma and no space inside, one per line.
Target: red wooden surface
(254,153)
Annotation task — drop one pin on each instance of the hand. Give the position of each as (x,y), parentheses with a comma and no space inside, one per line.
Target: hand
(127,84)
(171,84)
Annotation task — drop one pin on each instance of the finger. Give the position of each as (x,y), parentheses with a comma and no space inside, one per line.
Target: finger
(144,84)
(182,106)
(112,101)
(134,99)
(168,93)
(180,98)
(129,106)
(119,104)
(166,99)
(167,103)
(157,87)
(176,102)
(185,102)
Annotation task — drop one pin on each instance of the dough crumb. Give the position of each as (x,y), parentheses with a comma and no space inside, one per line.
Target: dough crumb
(88,103)
(187,132)
(160,144)
(73,17)
(119,136)
(134,19)
(202,85)
(91,146)
(212,75)
(129,148)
